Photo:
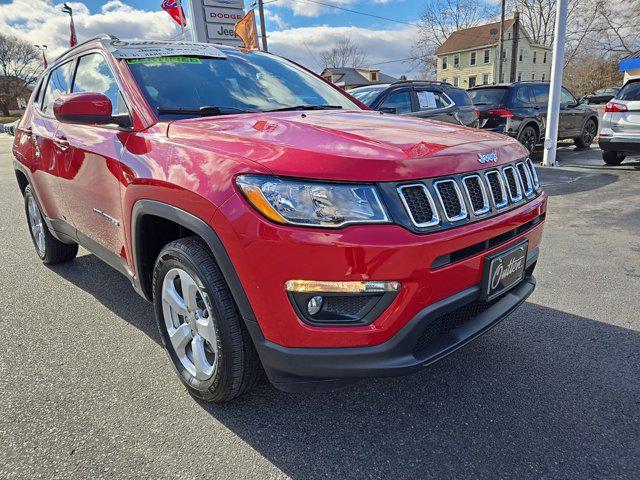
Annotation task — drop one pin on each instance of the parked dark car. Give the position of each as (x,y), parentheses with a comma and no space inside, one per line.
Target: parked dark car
(434,100)
(520,111)
(600,96)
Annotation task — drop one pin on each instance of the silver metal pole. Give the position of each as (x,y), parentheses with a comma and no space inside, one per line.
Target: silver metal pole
(553,110)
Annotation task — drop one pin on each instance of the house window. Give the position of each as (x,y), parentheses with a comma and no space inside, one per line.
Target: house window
(472,58)
(543,77)
(444,63)
(519,77)
(485,78)
(544,58)
(533,76)
(472,81)
(374,76)
(521,54)
(456,61)
(456,81)
(487,56)
(443,80)
(535,56)
(504,55)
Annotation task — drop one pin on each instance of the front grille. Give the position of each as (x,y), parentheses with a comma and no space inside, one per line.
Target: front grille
(445,324)
(417,200)
(477,196)
(458,199)
(513,185)
(451,199)
(525,178)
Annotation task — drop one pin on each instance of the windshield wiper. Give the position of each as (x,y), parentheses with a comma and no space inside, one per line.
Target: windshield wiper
(307,107)
(205,111)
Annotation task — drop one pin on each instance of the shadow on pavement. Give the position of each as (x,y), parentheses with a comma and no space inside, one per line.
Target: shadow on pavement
(557,181)
(546,394)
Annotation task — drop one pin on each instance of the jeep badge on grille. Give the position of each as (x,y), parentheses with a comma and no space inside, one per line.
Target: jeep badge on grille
(487,157)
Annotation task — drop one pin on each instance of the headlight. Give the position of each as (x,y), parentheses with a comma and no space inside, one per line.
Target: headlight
(313,203)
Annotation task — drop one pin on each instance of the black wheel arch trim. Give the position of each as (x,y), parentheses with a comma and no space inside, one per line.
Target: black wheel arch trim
(169,212)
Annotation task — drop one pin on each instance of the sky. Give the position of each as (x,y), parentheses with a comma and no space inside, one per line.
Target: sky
(297,29)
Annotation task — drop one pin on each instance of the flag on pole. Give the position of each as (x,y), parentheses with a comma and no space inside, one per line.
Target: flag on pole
(73,40)
(246,29)
(174,8)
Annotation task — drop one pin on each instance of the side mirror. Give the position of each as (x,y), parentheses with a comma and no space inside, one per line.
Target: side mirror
(388,110)
(87,108)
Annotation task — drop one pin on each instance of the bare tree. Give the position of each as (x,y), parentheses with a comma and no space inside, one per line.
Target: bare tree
(20,65)
(344,54)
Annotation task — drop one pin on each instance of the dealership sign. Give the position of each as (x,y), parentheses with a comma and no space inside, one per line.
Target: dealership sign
(213,21)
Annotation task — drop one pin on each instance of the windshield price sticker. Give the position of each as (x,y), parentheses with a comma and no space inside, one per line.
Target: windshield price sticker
(427,100)
(154,49)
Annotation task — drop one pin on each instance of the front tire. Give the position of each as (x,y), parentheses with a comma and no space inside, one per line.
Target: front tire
(613,158)
(200,325)
(529,137)
(49,249)
(589,132)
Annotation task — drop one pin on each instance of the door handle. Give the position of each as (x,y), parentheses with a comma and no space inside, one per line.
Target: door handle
(61,142)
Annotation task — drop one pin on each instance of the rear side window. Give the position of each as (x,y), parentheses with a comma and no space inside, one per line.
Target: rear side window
(401,101)
(460,97)
(488,96)
(540,93)
(523,96)
(631,91)
(431,99)
(94,75)
(59,82)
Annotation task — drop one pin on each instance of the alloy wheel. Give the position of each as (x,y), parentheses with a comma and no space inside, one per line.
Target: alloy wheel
(190,324)
(36,225)
(528,138)
(589,132)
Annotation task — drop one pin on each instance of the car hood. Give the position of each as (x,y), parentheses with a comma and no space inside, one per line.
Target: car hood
(346,145)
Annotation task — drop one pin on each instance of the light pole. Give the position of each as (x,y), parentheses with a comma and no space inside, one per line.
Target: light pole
(553,111)
(43,49)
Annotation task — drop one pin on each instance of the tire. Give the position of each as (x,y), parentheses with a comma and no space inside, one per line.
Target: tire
(200,326)
(49,249)
(589,132)
(613,158)
(529,138)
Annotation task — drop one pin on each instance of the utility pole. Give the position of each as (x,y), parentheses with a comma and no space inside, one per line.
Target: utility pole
(514,45)
(263,31)
(501,49)
(555,89)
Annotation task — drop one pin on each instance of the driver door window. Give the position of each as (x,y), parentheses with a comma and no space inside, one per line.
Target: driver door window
(58,85)
(94,75)
(401,101)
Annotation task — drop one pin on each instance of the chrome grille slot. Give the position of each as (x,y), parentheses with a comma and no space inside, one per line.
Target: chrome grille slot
(513,185)
(419,203)
(525,177)
(451,200)
(498,191)
(534,174)
(477,194)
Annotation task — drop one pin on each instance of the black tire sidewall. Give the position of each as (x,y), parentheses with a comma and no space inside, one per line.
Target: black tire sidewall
(533,130)
(172,257)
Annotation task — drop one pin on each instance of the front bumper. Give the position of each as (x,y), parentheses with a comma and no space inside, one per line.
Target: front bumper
(433,333)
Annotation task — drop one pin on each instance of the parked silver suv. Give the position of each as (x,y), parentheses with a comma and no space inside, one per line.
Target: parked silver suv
(620,134)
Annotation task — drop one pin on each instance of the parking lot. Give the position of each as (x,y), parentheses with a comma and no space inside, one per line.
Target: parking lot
(552,392)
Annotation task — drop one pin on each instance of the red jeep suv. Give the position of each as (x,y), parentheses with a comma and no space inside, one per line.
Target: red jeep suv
(273,220)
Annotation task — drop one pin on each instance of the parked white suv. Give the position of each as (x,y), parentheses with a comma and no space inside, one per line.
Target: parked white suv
(620,134)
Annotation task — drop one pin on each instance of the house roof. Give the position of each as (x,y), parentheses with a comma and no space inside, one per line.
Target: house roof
(474,37)
(351,76)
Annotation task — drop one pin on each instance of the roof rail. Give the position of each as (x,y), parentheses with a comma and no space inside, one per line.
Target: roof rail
(421,81)
(102,36)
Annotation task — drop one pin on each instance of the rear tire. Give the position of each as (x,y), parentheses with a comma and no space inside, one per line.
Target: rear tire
(49,249)
(200,326)
(613,158)
(529,138)
(589,132)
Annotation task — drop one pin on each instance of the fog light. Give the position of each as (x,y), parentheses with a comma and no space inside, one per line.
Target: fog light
(314,305)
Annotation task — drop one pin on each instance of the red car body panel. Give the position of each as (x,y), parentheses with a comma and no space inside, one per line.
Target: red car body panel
(192,165)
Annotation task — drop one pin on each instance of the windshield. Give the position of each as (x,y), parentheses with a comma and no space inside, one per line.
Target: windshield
(367,95)
(240,83)
(631,91)
(488,96)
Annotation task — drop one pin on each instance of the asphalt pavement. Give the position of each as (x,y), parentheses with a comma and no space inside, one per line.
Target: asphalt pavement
(553,392)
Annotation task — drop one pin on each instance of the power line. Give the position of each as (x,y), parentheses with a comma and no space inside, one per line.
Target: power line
(337,7)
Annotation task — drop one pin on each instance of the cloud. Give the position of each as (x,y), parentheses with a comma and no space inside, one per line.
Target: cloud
(275,19)
(383,47)
(41,22)
(308,8)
